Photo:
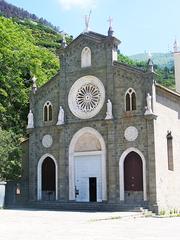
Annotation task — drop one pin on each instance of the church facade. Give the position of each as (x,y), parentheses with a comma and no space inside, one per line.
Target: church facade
(103,131)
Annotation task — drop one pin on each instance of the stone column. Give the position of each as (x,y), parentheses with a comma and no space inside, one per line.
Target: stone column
(111,163)
(152,193)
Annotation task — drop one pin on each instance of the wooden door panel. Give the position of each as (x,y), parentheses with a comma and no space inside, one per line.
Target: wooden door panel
(133,173)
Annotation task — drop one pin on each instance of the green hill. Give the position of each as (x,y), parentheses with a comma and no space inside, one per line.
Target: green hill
(11,11)
(161,59)
(22,55)
(28,47)
(163,66)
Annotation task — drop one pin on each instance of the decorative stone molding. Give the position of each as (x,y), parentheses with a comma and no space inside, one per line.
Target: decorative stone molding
(47,141)
(72,153)
(121,172)
(86,97)
(131,133)
(39,176)
(86,57)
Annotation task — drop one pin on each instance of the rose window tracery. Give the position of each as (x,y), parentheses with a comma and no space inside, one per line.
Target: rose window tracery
(88,97)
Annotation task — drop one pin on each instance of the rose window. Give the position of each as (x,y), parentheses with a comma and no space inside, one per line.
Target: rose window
(87,97)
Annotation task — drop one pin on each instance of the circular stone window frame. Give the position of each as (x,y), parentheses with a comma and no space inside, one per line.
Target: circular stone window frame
(72,97)
(47,141)
(131,133)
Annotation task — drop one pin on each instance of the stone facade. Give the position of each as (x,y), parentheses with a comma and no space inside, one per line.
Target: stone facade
(161,187)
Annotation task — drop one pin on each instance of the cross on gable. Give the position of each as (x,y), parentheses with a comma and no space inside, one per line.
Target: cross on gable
(110,20)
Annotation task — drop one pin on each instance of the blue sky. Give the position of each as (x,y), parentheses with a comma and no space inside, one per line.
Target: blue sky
(141,25)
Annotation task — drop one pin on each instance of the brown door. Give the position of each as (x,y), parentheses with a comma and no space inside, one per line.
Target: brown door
(48,175)
(133,173)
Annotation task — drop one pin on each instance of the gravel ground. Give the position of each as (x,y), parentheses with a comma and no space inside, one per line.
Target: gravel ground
(57,225)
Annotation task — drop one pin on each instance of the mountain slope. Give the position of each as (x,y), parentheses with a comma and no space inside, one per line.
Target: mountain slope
(161,59)
(10,11)
(22,56)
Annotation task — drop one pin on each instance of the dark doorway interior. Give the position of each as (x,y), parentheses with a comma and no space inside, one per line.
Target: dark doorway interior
(133,173)
(92,189)
(48,179)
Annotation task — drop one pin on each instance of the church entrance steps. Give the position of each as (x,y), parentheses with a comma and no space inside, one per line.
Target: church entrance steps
(81,206)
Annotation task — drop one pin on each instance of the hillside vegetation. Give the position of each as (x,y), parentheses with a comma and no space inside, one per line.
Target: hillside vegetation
(10,11)
(25,50)
(162,60)
(164,73)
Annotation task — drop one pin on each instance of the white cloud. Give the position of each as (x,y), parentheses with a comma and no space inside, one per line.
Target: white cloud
(83,4)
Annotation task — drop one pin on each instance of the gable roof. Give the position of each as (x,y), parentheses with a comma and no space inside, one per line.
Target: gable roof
(96,37)
(167,89)
(128,66)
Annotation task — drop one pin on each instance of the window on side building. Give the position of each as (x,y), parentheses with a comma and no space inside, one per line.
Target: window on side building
(170,151)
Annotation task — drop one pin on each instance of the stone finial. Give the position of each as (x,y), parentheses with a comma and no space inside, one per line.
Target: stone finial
(109,114)
(176,46)
(150,62)
(60,116)
(30,120)
(34,86)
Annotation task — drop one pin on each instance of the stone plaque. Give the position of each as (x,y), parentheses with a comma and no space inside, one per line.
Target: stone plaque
(47,141)
(131,133)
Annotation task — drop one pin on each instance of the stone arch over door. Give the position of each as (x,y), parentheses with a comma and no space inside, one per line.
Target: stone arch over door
(81,146)
(43,164)
(121,172)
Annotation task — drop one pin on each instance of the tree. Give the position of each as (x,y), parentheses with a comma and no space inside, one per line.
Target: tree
(10,153)
(20,59)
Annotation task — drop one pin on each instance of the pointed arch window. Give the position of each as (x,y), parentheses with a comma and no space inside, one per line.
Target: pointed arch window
(86,57)
(47,111)
(130,100)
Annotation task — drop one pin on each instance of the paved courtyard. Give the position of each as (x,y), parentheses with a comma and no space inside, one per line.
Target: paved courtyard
(54,225)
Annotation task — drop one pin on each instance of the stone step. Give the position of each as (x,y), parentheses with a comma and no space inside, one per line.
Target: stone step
(54,205)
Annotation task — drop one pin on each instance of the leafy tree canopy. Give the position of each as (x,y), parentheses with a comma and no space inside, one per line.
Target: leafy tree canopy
(164,76)
(20,59)
(10,155)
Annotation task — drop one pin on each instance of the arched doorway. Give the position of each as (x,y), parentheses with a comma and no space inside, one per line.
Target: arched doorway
(132,176)
(47,178)
(87,166)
